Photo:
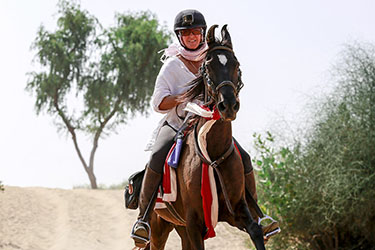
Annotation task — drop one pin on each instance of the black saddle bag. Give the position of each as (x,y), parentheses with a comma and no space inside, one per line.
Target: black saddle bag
(133,189)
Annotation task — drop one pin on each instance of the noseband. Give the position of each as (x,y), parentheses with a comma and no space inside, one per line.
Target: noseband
(209,84)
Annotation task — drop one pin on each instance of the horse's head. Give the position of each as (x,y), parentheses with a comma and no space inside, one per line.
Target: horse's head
(221,74)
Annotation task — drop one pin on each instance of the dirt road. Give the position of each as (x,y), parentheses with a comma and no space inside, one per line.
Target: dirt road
(80,219)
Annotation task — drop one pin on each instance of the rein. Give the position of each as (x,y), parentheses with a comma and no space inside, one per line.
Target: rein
(214,165)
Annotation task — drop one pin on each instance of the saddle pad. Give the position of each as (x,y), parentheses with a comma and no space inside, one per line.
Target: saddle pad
(169,184)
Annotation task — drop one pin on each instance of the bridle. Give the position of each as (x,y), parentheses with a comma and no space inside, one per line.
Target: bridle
(210,97)
(211,91)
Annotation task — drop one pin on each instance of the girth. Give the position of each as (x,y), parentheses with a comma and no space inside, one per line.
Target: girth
(214,165)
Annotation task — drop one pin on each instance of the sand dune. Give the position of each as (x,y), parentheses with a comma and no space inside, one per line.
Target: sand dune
(80,219)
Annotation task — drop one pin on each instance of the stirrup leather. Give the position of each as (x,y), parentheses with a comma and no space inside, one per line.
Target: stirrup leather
(140,238)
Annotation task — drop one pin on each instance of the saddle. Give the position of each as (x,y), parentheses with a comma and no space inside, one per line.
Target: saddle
(133,189)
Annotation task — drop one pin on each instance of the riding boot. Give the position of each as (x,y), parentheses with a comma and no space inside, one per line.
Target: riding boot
(250,184)
(141,230)
(269,229)
(251,196)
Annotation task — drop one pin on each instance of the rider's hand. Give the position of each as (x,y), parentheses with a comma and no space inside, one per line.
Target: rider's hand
(169,102)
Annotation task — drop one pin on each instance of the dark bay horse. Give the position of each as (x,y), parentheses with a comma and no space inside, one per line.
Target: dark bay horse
(220,83)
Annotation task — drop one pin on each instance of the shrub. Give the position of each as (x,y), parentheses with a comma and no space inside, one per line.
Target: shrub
(322,188)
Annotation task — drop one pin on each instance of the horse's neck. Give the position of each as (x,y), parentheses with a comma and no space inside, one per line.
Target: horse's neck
(219,139)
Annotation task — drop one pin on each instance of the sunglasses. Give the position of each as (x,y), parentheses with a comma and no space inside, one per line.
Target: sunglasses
(190,31)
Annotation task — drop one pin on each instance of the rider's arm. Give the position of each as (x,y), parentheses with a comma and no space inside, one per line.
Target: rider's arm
(169,102)
(163,98)
(169,82)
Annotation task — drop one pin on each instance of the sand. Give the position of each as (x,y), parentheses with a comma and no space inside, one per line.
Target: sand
(36,218)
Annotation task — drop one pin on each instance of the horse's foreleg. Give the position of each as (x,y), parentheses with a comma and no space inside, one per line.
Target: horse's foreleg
(251,226)
(160,230)
(194,231)
(184,237)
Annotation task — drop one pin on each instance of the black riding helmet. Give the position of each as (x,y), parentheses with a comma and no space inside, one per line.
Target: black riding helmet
(189,19)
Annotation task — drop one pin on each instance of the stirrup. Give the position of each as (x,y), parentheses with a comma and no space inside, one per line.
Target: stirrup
(272,228)
(139,240)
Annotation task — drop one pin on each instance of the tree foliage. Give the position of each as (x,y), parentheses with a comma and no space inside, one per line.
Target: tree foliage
(93,79)
(323,188)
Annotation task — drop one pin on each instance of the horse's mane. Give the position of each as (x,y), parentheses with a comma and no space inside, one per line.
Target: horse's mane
(195,91)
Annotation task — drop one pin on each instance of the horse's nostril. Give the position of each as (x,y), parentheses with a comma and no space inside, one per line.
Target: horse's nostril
(221,106)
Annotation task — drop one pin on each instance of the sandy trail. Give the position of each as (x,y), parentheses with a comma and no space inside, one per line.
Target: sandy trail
(80,219)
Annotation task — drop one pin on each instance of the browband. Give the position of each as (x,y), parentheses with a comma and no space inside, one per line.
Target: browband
(220,47)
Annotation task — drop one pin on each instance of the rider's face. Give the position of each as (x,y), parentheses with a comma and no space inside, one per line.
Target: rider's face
(191,37)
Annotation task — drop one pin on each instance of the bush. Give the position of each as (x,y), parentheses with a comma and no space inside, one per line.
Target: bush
(322,188)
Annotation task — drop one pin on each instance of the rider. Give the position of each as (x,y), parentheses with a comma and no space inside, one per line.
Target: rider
(181,66)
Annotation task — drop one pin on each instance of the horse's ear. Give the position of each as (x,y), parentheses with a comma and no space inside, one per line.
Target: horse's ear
(226,40)
(211,34)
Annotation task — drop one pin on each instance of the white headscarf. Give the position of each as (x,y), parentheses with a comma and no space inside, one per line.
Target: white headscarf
(176,49)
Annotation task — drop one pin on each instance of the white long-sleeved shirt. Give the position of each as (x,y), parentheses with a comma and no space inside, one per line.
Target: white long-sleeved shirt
(172,80)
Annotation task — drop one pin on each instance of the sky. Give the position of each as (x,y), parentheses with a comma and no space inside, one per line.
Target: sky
(285,48)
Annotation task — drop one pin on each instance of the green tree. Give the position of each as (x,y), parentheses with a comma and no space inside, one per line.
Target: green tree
(108,73)
(322,188)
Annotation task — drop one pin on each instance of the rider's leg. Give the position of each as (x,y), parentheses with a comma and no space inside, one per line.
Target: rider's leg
(273,227)
(249,173)
(150,184)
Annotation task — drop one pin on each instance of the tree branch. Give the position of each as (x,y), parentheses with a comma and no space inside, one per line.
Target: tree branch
(99,132)
(71,129)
